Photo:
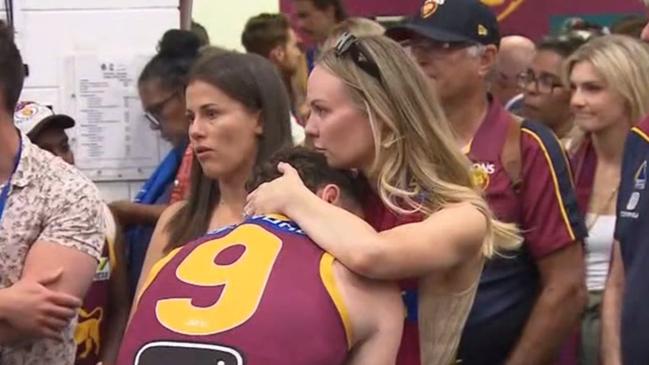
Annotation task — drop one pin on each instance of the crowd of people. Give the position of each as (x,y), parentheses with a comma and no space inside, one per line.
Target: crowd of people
(489,189)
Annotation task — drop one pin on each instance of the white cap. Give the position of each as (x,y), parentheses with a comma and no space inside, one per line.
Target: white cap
(30,118)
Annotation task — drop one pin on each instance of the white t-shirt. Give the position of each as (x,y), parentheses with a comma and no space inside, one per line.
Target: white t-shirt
(599,244)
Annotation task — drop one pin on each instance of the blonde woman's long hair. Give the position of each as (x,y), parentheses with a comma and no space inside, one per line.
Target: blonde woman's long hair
(623,63)
(417,165)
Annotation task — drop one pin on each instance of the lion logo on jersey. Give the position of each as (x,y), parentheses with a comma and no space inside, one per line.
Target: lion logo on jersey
(480,175)
(503,8)
(87,331)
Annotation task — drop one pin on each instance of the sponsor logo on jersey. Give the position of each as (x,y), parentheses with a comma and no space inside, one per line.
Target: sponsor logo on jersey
(641,177)
(633,201)
(103,270)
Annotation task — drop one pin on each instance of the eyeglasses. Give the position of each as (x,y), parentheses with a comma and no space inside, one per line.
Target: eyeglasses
(153,113)
(543,83)
(429,46)
(349,44)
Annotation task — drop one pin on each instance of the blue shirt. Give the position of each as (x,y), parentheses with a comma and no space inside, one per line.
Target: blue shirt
(633,234)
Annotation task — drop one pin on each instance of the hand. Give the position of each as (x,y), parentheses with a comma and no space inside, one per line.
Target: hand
(276,196)
(30,307)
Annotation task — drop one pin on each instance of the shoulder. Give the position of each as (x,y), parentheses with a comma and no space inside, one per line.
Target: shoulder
(465,222)
(537,137)
(170,212)
(543,154)
(641,132)
(359,293)
(160,237)
(60,179)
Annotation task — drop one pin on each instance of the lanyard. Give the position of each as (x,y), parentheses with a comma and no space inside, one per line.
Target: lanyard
(4,195)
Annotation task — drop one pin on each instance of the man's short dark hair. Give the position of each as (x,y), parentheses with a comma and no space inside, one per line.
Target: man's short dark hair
(313,169)
(339,8)
(565,44)
(264,32)
(12,70)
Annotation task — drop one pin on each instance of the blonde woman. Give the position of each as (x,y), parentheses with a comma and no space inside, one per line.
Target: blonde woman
(608,77)
(435,227)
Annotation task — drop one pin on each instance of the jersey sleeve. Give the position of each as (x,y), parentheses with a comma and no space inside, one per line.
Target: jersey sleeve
(551,219)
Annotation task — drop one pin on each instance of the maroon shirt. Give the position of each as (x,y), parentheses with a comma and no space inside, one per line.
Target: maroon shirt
(257,293)
(584,162)
(91,323)
(545,208)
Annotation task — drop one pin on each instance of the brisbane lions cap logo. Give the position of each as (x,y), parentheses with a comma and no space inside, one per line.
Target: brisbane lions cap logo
(430,7)
(503,8)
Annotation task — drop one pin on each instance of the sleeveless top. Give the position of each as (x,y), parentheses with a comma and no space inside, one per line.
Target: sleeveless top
(260,292)
(436,318)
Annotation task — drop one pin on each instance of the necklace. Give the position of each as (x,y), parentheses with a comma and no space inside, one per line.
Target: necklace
(589,225)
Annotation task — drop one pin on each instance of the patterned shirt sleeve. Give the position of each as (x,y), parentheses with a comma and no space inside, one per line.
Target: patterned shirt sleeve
(76,219)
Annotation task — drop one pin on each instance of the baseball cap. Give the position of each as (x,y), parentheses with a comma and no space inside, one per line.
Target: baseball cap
(451,21)
(31,118)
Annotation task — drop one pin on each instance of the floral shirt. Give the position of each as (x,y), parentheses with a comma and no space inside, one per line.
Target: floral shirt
(49,201)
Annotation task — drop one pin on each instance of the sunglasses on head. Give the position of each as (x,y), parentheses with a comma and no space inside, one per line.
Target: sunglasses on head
(349,44)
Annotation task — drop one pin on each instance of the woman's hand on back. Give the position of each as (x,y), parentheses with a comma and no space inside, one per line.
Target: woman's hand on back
(278,195)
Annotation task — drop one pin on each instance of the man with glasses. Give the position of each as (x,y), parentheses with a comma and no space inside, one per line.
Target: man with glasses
(545,98)
(530,302)
(625,319)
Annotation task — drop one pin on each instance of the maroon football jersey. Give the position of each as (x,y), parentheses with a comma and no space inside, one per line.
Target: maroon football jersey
(91,322)
(257,293)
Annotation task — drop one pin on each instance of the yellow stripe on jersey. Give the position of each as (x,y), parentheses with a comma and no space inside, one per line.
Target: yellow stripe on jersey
(279,217)
(155,270)
(111,236)
(112,255)
(555,180)
(329,281)
(565,159)
(642,134)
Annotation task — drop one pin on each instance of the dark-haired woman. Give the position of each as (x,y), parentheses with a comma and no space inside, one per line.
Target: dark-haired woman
(238,111)
(161,86)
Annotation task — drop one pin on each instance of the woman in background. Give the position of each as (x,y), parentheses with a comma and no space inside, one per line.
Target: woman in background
(608,77)
(161,87)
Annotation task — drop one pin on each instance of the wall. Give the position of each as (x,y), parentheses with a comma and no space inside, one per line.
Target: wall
(225,23)
(48,31)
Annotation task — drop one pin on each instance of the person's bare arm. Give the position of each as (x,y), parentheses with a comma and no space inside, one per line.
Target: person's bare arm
(42,304)
(557,310)
(129,213)
(376,333)
(612,310)
(445,239)
(30,310)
